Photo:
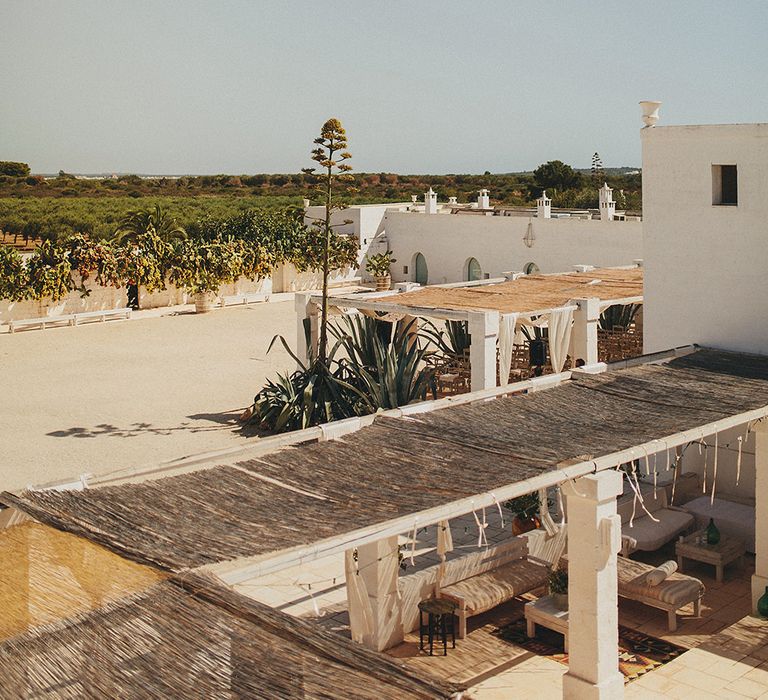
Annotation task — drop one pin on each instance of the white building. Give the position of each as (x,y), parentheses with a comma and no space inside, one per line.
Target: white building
(435,243)
(705,208)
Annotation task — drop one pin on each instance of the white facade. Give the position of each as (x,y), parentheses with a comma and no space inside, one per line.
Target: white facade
(364,221)
(705,264)
(505,243)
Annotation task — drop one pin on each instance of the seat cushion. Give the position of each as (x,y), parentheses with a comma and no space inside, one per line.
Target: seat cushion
(676,590)
(651,535)
(734,519)
(492,588)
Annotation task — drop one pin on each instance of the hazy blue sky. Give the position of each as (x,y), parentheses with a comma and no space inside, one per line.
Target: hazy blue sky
(243,86)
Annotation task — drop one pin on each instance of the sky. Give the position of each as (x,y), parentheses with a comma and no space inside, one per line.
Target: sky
(243,86)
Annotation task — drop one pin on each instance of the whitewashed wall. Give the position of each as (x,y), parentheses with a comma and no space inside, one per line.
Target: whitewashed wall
(447,241)
(102,298)
(706,266)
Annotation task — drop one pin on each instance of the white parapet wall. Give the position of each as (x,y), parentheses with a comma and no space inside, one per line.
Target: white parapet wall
(503,243)
(705,261)
(102,298)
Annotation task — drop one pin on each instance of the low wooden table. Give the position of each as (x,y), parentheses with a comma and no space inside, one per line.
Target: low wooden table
(728,550)
(544,612)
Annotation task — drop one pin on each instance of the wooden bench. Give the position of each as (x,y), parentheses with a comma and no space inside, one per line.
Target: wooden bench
(44,322)
(247,298)
(484,579)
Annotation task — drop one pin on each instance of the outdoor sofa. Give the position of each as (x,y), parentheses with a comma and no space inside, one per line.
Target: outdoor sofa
(483,580)
(643,532)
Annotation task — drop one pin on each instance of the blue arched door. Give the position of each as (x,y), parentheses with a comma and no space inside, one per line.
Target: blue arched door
(420,270)
(473,271)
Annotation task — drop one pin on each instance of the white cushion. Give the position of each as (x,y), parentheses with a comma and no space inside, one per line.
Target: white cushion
(651,535)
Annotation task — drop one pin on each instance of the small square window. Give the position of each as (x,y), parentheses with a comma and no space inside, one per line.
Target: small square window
(405,269)
(725,185)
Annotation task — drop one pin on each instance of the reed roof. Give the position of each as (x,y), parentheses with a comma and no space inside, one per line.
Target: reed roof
(194,638)
(529,293)
(398,467)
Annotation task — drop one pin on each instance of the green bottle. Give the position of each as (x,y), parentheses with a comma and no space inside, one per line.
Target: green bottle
(713,534)
(762,604)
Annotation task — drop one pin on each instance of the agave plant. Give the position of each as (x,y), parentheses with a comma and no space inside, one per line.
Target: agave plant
(388,373)
(618,316)
(452,342)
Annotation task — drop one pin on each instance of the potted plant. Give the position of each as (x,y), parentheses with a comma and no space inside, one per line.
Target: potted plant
(557,583)
(526,509)
(378,266)
(201,267)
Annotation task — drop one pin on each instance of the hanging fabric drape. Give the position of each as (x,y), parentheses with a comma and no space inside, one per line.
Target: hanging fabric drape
(444,545)
(507,324)
(360,613)
(560,326)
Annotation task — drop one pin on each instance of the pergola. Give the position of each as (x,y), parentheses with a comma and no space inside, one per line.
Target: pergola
(572,303)
(359,483)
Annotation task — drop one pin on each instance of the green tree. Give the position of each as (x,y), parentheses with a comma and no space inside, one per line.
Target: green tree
(330,154)
(556,175)
(14,169)
(598,172)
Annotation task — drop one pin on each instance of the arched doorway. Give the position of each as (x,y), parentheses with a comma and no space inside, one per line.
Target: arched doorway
(473,271)
(420,270)
(531,268)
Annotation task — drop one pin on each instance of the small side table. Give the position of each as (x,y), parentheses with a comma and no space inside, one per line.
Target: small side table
(544,612)
(440,622)
(727,550)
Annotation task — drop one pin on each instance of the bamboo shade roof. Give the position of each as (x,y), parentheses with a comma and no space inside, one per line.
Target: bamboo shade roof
(529,293)
(398,467)
(48,575)
(194,638)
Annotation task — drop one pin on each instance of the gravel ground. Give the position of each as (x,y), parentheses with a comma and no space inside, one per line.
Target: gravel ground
(109,396)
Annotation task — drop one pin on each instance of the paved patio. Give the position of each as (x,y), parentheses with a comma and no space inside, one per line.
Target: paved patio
(107,396)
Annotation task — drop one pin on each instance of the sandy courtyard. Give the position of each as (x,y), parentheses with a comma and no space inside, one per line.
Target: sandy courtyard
(108,396)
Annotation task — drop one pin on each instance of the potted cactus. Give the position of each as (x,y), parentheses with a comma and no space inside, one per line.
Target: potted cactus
(378,266)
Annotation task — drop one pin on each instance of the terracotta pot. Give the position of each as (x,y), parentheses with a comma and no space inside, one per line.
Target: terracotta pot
(521,525)
(204,302)
(383,283)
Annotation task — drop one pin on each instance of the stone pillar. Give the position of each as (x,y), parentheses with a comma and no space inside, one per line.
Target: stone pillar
(484,329)
(379,565)
(760,577)
(305,309)
(593,617)
(584,335)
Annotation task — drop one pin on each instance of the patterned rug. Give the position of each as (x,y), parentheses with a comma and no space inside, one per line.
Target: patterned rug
(638,653)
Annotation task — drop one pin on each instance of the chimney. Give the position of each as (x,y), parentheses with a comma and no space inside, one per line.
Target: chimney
(607,205)
(452,201)
(544,206)
(430,202)
(483,201)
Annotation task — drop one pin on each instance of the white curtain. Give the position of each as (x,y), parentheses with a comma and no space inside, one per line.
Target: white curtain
(560,326)
(360,613)
(507,325)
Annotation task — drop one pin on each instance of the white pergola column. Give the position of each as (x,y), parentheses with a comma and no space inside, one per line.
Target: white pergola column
(305,309)
(593,614)
(584,334)
(379,565)
(760,577)
(484,329)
